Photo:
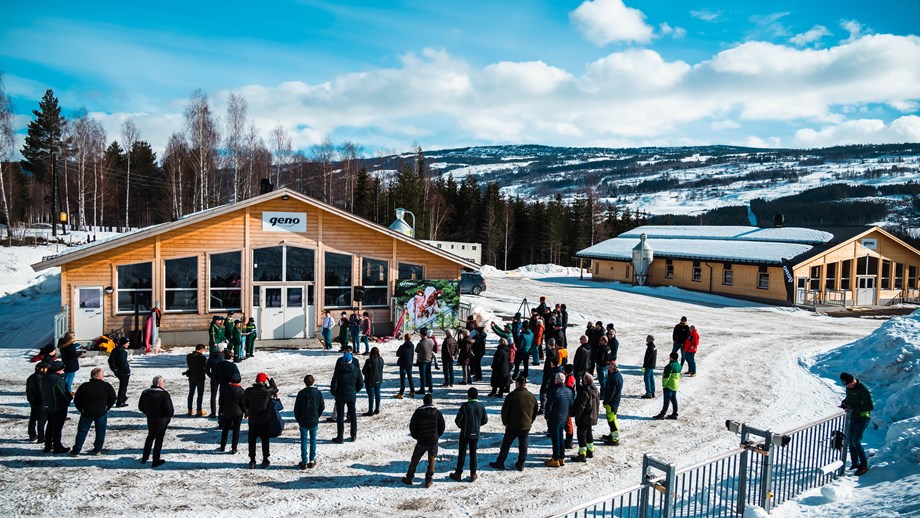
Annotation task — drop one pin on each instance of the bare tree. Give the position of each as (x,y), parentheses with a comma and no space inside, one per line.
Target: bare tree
(203,136)
(282,150)
(129,136)
(349,152)
(97,144)
(82,153)
(323,153)
(175,160)
(236,125)
(255,152)
(7,142)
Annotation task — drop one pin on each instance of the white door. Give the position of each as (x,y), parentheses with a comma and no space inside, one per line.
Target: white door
(865,290)
(311,313)
(801,290)
(272,313)
(88,313)
(295,319)
(257,309)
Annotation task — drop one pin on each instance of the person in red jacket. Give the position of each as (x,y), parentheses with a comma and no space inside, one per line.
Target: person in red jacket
(690,347)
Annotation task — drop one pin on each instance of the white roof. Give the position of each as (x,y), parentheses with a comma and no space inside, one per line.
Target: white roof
(781,234)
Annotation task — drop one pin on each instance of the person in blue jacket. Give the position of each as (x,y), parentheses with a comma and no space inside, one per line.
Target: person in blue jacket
(560,400)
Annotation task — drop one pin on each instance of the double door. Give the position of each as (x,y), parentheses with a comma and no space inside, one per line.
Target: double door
(284,312)
(865,290)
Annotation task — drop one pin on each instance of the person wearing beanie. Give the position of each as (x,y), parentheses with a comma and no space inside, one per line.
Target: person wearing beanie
(426,427)
(56,399)
(558,407)
(196,373)
(584,413)
(118,363)
(611,398)
(470,418)
(157,405)
(307,410)
(37,419)
(859,403)
(346,382)
(230,416)
(670,380)
(257,404)
(215,335)
(648,367)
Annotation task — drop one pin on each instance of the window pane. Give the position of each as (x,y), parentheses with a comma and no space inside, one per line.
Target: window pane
(90,298)
(182,273)
(226,299)
(273,297)
(135,276)
(338,270)
(295,297)
(374,272)
(181,300)
(225,270)
(375,297)
(410,271)
(266,264)
(126,300)
(300,264)
(337,298)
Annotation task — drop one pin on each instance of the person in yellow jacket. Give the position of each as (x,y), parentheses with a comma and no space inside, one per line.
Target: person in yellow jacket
(669,382)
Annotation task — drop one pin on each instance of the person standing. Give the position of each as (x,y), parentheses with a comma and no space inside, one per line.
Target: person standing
(373,378)
(37,419)
(424,353)
(449,350)
(479,352)
(648,367)
(582,361)
(613,344)
(526,352)
(426,427)
(470,418)
(230,418)
(404,357)
(235,341)
(518,413)
(70,355)
(501,369)
(328,324)
(118,362)
(465,356)
(354,329)
(584,413)
(612,395)
(210,370)
(227,369)
(215,334)
(670,380)
(257,403)
(600,355)
(679,335)
(197,372)
(93,400)
(346,383)
(859,403)
(550,368)
(56,398)
(157,405)
(690,347)
(250,333)
(564,321)
(343,331)
(308,408)
(366,332)
(558,409)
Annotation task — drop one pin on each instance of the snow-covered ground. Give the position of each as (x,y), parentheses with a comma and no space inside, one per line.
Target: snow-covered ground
(771,367)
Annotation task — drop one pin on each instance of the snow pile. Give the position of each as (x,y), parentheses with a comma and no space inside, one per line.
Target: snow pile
(837,492)
(543,270)
(28,300)
(490,271)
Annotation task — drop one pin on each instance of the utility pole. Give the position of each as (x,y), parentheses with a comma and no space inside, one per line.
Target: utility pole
(54,215)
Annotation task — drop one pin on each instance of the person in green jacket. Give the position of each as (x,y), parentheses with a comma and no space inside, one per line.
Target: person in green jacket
(859,403)
(669,382)
(235,341)
(215,334)
(249,330)
(228,328)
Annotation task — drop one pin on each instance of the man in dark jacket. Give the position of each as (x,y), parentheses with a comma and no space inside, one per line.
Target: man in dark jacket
(518,413)
(226,369)
(197,372)
(582,361)
(679,335)
(157,405)
(231,413)
(118,363)
(210,370)
(404,357)
(558,409)
(859,403)
(648,367)
(584,413)
(307,410)
(55,398)
(550,368)
(426,427)
(257,403)
(37,418)
(93,400)
(449,350)
(613,392)
(600,355)
(501,369)
(347,381)
(470,418)
(424,355)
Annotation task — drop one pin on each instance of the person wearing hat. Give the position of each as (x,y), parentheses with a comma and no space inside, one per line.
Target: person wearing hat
(343,331)
(38,421)
(679,335)
(215,334)
(559,402)
(156,404)
(197,372)
(670,379)
(518,414)
(56,398)
(235,340)
(470,418)
(228,330)
(249,332)
(611,399)
(859,403)
(257,403)
(584,413)
(426,427)
(231,413)
(648,367)
(346,383)
(118,363)
(93,400)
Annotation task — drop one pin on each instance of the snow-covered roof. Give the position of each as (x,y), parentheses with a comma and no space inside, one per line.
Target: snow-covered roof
(728,250)
(732,233)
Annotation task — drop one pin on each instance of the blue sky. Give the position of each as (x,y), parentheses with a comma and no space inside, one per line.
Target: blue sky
(390,75)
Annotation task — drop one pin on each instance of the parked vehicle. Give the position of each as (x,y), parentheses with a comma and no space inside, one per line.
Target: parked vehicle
(472,282)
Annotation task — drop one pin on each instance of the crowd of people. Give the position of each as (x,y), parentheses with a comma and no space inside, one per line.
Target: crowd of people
(571,392)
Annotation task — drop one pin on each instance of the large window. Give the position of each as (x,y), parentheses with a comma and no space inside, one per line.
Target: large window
(299,264)
(728,277)
(814,282)
(898,276)
(697,272)
(845,268)
(338,281)
(135,287)
(375,277)
(912,277)
(668,269)
(181,277)
(412,272)
(830,281)
(886,275)
(225,292)
(282,263)
(763,278)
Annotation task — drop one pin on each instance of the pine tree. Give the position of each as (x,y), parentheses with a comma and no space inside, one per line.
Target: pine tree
(362,194)
(44,141)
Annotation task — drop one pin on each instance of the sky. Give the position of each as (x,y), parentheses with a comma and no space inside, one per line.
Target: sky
(393,75)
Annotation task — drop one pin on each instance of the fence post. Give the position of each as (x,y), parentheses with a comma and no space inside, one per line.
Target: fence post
(646,484)
(670,471)
(742,477)
(846,444)
(766,479)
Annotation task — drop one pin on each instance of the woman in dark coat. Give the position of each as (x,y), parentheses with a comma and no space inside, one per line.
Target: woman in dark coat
(479,351)
(257,401)
(465,355)
(501,369)
(373,377)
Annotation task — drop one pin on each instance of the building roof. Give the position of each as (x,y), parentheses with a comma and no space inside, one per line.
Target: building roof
(735,244)
(89,249)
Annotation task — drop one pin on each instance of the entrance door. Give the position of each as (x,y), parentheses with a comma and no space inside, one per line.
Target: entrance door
(865,290)
(295,319)
(801,290)
(272,313)
(283,311)
(88,317)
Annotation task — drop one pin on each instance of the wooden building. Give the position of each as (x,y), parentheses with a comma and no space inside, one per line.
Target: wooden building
(863,266)
(281,257)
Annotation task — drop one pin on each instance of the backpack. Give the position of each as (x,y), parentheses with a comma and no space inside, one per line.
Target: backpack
(275,423)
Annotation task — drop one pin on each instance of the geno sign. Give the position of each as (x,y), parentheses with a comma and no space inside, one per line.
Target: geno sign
(284,222)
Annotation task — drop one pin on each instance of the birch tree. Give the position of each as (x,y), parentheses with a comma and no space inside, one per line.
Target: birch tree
(282,150)
(7,141)
(129,136)
(201,128)
(82,154)
(236,126)
(97,145)
(175,161)
(323,153)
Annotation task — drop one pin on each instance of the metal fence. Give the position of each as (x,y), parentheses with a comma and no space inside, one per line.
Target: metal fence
(61,324)
(765,470)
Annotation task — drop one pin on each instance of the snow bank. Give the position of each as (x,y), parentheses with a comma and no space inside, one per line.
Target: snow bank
(543,270)
(491,271)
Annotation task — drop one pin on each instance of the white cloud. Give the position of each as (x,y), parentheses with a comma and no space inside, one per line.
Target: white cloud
(812,35)
(675,32)
(724,125)
(862,131)
(905,106)
(608,21)
(637,70)
(758,142)
(706,15)
(853,27)
(532,77)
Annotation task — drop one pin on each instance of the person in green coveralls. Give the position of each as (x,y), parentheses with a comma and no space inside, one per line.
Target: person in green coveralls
(215,335)
(235,341)
(249,331)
